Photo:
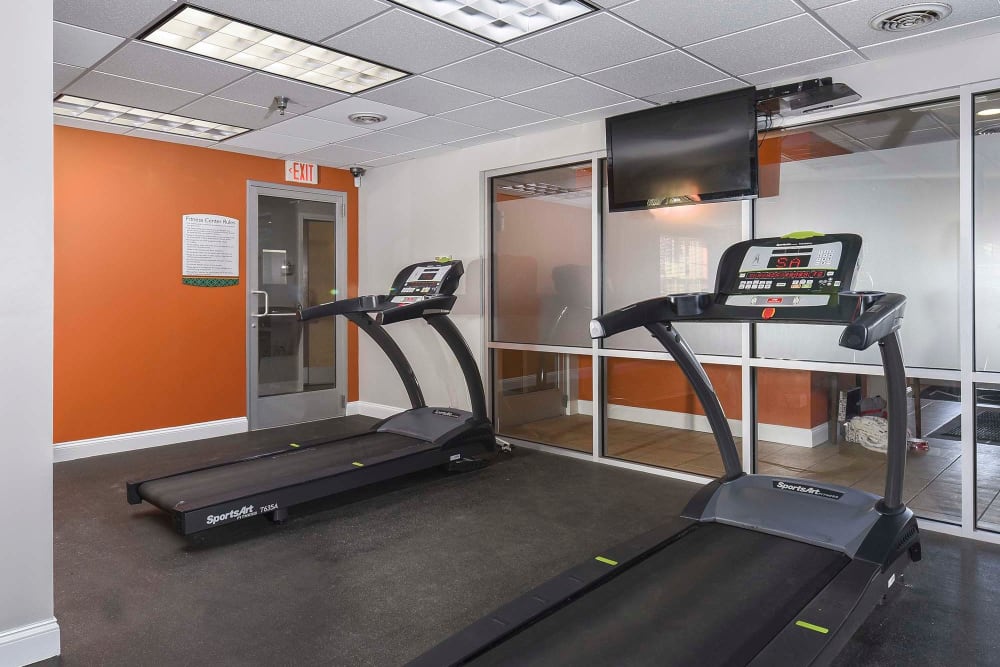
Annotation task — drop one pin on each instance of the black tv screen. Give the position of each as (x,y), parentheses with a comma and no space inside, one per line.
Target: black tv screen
(688,152)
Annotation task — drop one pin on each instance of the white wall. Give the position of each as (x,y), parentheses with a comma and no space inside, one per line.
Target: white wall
(28,631)
(433,205)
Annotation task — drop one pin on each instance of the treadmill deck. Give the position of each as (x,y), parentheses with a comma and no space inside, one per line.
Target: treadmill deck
(236,480)
(714,597)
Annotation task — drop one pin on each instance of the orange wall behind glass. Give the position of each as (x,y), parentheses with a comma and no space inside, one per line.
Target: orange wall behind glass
(134,348)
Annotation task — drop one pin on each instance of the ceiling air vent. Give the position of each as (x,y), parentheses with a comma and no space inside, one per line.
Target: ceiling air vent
(366,118)
(910,17)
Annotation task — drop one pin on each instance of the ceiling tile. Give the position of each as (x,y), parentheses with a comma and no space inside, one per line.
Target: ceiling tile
(339,156)
(261,89)
(607,3)
(412,155)
(124,19)
(167,67)
(803,69)
(850,19)
(121,90)
(817,4)
(171,138)
(307,127)
(498,73)
(339,111)
(936,38)
(544,126)
(407,42)
(705,19)
(424,95)
(801,38)
(438,130)
(892,124)
(307,19)
(697,91)
(62,75)
(388,143)
(589,44)
(79,46)
(657,74)
(84,124)
(273,143)
(607,112)
(570,96)
(479,140)
(496,115)
(243,150)
(230,113)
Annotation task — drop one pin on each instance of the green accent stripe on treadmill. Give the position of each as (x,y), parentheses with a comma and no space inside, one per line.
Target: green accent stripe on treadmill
(606,561)
(292,444)
(358,464)
(814,628)
(801,235)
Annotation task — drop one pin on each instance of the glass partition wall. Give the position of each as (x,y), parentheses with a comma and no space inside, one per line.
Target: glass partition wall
(905,179)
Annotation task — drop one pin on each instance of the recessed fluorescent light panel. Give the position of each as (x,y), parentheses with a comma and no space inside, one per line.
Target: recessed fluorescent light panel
(215,36)
(500,20)
(117,114)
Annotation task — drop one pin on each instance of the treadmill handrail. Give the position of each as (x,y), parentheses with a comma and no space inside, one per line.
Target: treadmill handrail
(360,304)
(868,316)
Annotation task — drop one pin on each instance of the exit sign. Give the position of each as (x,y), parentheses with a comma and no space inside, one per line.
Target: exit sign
(301,172)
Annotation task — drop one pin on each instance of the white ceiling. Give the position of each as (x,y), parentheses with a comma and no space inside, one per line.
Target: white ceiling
(464,91)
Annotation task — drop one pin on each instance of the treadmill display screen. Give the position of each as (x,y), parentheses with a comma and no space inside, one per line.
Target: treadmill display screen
(790,273)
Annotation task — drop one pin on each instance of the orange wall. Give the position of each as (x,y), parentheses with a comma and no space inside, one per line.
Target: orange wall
(661,385)
(134,348)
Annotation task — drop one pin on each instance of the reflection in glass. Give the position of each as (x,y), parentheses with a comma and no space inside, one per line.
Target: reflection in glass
(296,266)
(832,427)
(986,174)
(987,457)
(542,256)
(654,417)
(892,177)
(668,251)
(544,397)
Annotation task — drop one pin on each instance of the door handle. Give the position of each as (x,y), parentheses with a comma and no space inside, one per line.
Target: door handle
(267,308)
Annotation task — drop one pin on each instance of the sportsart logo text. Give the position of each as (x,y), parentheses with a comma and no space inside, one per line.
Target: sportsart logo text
(808,490)
(241,513)
(448,413)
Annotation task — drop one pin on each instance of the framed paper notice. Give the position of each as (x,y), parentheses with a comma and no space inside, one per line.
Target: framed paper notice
(211,255)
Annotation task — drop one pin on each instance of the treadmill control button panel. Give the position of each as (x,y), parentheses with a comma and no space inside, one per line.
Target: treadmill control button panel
(789,272)
(422,282)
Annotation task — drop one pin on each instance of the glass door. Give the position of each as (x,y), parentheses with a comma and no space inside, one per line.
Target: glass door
(296,258)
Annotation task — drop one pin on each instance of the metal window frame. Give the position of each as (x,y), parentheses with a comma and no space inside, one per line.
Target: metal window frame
(966,374)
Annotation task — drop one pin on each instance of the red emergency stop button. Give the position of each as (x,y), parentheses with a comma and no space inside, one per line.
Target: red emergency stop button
(768,313)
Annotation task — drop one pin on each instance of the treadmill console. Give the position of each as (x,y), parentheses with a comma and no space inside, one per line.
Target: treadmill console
(424,280)
(799,270)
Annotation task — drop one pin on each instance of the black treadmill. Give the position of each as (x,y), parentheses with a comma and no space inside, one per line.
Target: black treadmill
(421,437)
(758,569)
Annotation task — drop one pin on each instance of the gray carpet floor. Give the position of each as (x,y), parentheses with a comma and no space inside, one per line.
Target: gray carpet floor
(375,577)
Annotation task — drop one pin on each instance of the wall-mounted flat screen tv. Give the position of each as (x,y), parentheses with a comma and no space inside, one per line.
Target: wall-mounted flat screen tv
(699,150)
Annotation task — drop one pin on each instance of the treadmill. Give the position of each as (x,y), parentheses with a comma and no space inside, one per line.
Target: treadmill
(421,437)
(758,569)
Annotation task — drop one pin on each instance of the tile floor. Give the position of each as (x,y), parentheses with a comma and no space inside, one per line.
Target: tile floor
(932,486)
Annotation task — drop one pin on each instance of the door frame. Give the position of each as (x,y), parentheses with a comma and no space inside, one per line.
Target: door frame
(257,189)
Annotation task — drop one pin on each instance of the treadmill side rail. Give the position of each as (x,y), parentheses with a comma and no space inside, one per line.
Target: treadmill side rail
(822,628)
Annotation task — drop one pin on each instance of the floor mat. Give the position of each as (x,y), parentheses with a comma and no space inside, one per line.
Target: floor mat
(987,428)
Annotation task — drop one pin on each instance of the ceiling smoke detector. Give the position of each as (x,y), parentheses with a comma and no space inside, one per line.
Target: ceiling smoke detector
(910,17)
(366,118)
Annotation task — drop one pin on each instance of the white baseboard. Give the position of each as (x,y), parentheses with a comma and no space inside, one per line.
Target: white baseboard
(125,442)
(682,420)
(785,435)
(29,643)
(789,435)
(376,410)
